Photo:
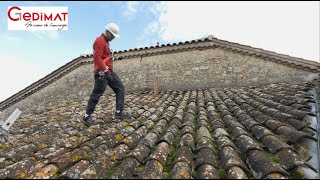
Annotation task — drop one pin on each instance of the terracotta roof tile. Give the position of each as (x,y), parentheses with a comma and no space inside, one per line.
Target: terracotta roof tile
(207,172)
(126,170)
(160,153)
(97,169)
(131,140)
(289,159)
(230,158)
(296,124)
(184,154)
(224,141)
(96,153)
(236,173)
(187,140)
(206,156)
(188,129)
(150,139)
(94,143)
(237,131)
(262,165)
(158,130)
(53,153)
(168,137)
(46,172)
(119,152)
(69,158)
(274,144)
(19,169)
(274,124)
(152,170)
(140,152)
(203,132)
(292,134)
(246,144)
(260,132)
(232,123)
(75,171)
(181,170)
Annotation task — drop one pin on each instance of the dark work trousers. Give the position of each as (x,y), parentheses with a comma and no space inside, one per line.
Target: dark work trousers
(100,85)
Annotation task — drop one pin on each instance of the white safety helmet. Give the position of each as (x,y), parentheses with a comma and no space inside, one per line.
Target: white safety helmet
(113,28)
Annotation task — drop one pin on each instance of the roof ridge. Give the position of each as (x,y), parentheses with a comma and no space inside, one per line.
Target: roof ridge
(268,52)
(222,42)
(39,83)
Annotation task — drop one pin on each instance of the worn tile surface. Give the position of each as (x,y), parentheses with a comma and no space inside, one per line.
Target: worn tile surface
(209,133)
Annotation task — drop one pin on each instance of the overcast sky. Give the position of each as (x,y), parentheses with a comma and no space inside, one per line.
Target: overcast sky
(290,28)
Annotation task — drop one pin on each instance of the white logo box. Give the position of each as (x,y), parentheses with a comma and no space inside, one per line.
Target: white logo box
(38,18)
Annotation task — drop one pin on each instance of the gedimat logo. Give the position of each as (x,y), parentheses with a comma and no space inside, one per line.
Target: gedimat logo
(37,18)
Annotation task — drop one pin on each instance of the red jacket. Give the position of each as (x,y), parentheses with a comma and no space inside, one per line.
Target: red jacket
(101,54)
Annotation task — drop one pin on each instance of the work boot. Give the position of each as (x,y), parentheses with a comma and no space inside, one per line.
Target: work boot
(122,115)
(88,121)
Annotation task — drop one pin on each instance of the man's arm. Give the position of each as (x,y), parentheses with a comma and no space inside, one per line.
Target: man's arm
(97,57)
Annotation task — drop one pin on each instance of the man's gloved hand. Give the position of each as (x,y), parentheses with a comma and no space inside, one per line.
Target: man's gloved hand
(106,73)
(101,73)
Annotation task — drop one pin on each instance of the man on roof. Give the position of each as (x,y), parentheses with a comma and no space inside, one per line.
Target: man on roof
(104,75)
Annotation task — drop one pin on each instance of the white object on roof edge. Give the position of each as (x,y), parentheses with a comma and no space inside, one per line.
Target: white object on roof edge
(13,117)
(0,119)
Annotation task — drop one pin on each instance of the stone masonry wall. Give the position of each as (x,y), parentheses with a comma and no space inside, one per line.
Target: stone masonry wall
(182,70)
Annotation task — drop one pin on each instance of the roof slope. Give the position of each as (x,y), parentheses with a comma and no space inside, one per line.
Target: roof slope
(210,133)
(207,42)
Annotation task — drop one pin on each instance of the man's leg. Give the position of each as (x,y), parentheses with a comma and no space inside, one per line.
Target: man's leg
(118,88)
(100,85)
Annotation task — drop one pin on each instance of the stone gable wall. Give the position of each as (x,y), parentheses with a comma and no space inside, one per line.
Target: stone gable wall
(192,69)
